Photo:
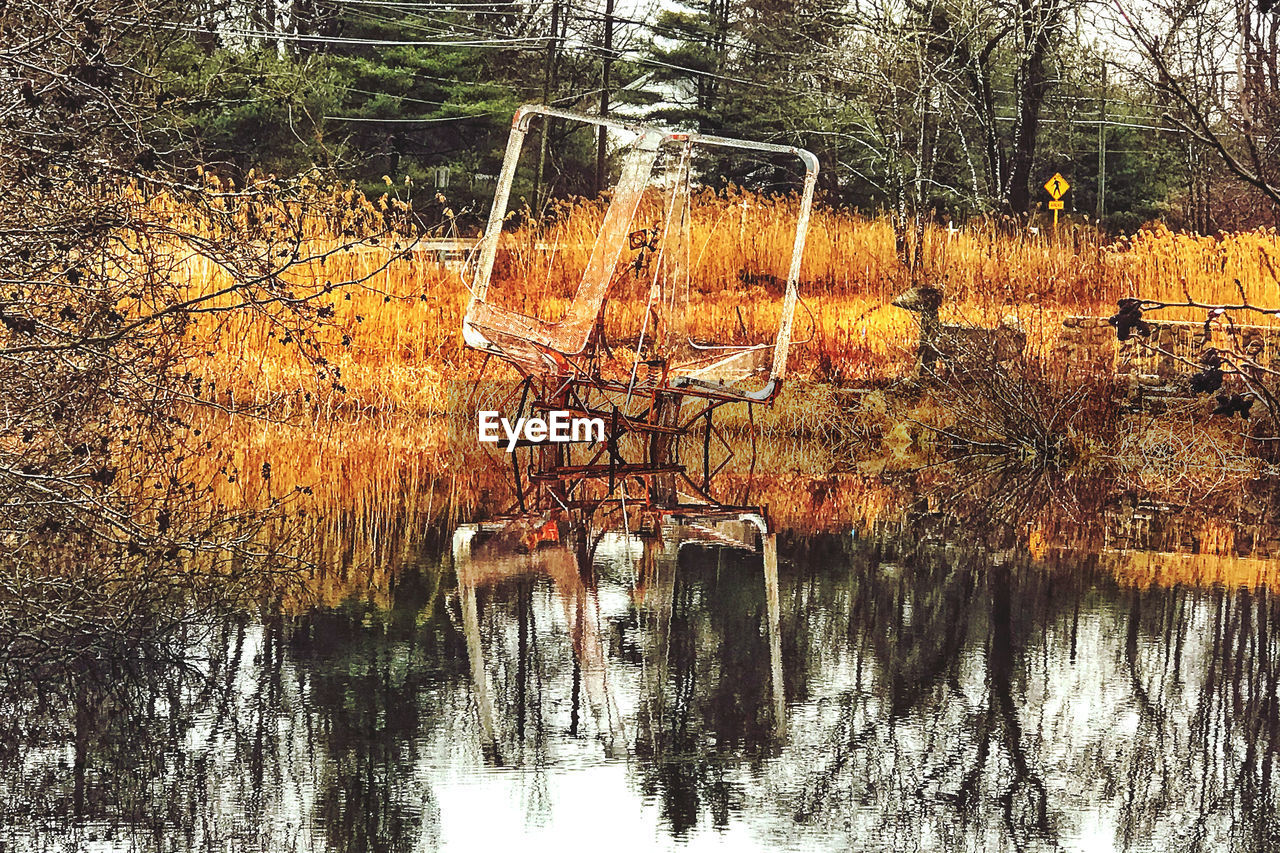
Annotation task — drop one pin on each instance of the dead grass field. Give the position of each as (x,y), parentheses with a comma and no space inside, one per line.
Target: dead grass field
(395,338)
(384,443)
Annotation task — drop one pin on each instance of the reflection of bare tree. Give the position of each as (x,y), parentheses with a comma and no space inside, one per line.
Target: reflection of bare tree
(1004,703)
(1024,800)
(714,691)
(368,714)
(1231,738)
(279,734)
(125,720)
(926,610)
(944,689)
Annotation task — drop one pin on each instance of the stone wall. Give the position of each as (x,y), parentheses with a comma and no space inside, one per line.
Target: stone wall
(1087,344)
(1090,342)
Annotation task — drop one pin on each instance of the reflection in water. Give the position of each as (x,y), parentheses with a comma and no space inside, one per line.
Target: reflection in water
(912,686)
(646,562)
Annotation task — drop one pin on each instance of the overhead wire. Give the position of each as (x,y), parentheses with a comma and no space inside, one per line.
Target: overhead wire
(477,8)
(438,120)
(347,40)
(628,54)
(443,119)
(492,39)
(583,13)
(425,26)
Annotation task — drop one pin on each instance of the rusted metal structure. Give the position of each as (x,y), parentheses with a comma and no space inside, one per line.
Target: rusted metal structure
(654,382)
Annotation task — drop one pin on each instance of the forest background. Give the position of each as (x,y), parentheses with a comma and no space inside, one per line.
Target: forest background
(945,108)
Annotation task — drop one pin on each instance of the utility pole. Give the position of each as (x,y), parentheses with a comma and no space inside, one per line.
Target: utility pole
(605,67)
(1102,145)
(548,87)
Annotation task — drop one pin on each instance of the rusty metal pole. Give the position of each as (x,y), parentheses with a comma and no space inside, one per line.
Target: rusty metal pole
(665,412)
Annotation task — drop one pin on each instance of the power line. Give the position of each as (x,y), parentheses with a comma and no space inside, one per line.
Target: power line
(440,120)
(424,26)
(671,33)
(1095,122)
(413,100)
(582,14)
(443,119)
(627,53)
(477,9)
(422,23)
(660,64)
(348,40)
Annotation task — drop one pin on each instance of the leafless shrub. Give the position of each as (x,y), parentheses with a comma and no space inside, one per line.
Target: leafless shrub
(102,240)
(1029,408)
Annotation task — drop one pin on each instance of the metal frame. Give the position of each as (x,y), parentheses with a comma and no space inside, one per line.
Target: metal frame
(651,139)
(559,363)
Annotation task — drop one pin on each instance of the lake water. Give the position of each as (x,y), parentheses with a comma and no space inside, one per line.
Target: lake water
(925,684)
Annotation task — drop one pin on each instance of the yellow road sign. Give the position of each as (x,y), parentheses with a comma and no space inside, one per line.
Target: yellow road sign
(1056,205)
(1057,186)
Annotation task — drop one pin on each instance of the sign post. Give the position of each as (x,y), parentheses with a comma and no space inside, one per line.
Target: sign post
(1057,187)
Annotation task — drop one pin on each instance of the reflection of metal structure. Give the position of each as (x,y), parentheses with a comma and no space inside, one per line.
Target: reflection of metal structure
(572,557)
(651,382)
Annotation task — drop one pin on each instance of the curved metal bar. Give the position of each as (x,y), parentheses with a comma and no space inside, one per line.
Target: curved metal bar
(519,129)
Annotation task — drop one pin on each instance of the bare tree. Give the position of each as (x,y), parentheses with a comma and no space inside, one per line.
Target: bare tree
(100,515)
(930,73)
(1217,66)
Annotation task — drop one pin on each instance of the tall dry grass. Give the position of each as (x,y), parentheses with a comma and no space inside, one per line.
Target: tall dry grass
(394,339)
(1224,268)
(382,439)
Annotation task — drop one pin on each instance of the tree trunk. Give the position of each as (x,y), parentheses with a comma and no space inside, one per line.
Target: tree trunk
(1033,85)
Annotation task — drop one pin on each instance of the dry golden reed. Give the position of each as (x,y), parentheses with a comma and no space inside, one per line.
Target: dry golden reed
(393,339)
